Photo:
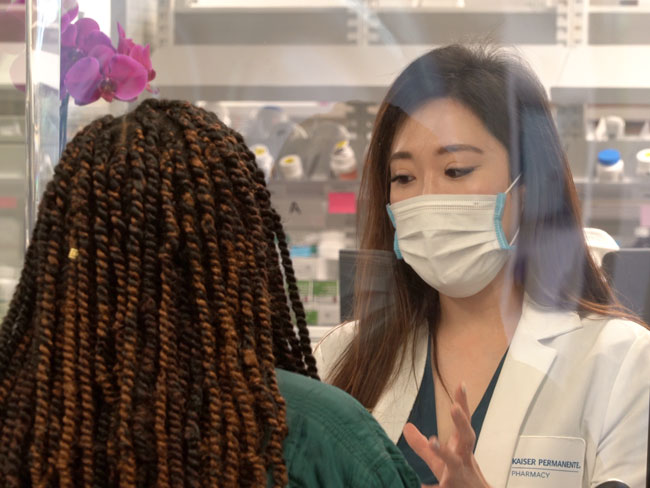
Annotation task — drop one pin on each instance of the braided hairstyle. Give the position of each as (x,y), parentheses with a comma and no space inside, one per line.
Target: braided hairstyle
(156,300)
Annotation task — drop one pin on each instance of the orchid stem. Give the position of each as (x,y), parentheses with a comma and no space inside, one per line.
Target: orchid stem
(63,123)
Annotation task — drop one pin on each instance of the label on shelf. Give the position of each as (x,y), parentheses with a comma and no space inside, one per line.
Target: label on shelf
(311,317)
(324,314)
(302,211)
(325,291)
(342,203)
(304,288)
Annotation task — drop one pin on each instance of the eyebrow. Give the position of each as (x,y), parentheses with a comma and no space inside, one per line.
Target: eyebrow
(452,148)
(458,148)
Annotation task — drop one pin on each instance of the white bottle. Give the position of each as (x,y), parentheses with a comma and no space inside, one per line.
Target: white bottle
(643,162)
(263,159)
(343,164)
(611,127)
(291,167)
(610,166)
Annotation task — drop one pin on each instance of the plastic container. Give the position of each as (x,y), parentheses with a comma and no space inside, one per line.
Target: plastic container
(291,167)
(272,127)
(343,163)
(263,159)
(611,127)
(610,166)
(643,162)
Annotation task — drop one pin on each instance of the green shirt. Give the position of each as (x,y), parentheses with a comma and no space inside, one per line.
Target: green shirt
(334,442)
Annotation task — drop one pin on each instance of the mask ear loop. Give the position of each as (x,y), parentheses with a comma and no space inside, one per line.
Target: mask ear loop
(514,238)
(514,182)
(498,216)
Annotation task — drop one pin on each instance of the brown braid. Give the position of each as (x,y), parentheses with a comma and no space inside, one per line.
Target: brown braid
(141,343)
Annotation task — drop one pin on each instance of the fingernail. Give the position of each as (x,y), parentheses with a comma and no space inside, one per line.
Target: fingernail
(435,444)
(463,387)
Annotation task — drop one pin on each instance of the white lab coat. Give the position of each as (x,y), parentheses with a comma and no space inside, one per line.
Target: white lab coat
(571,390)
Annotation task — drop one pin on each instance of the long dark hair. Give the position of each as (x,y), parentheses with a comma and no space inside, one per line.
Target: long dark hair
(552,262)
(140,346)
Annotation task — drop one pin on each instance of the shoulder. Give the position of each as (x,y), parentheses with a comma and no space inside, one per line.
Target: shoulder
(351,447)
(610,350)
(303,393)
(616,334)
(328,351)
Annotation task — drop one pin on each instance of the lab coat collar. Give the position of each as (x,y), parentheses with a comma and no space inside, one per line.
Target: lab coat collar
(529,359)
(543,323)
(526,365)
(394,406)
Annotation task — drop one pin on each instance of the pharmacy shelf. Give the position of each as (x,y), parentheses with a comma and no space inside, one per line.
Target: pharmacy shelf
(307,187)
(316,205)
(584,74)
(320,73)
(604,75)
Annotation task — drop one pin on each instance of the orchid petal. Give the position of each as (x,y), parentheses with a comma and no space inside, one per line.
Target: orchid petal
(95,38)
(69,36)
(103,54)
(124,44)
(68,58)
(127,75)
(69,16)
(84,27)
(120,31)
(141,55)
(82,81)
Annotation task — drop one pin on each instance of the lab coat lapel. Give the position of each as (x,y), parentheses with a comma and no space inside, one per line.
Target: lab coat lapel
(394,406)
(524,371)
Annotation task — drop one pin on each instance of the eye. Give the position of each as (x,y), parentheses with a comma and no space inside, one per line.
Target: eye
(457,172)
(401,179)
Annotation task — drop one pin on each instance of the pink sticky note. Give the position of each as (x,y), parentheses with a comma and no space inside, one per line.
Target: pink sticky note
(645,215)
(342,203)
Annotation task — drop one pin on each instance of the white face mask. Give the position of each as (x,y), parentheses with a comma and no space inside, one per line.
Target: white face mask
(455,243)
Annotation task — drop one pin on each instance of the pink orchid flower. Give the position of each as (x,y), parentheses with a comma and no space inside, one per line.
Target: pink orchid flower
(106,75)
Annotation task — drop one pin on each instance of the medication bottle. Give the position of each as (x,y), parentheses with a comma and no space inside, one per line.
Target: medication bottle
(611,127)
(643,162)
(291,167)
(610,166)
(263,159)
(343,164)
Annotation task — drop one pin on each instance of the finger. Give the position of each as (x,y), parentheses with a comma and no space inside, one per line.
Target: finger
(421,447)
(461,399)
(451,460)
(466,434)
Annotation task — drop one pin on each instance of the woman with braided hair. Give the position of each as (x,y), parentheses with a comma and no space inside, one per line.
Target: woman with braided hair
(156,337)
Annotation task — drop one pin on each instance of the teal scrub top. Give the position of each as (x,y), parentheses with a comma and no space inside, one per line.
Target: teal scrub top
(423,416)
(333,441)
